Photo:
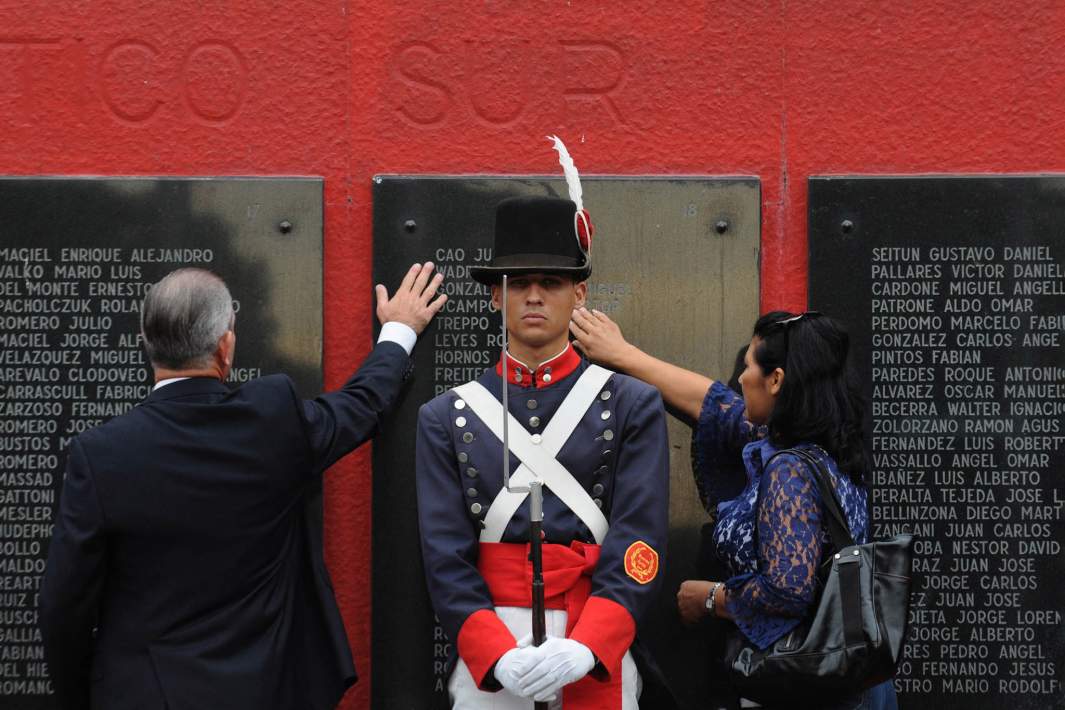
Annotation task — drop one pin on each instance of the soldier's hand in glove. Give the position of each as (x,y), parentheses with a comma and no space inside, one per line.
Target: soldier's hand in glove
(512,665)
(564,661)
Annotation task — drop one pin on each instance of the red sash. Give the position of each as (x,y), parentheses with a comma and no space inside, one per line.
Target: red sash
(567,585)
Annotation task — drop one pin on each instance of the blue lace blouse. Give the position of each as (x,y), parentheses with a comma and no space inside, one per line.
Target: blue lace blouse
(772,588)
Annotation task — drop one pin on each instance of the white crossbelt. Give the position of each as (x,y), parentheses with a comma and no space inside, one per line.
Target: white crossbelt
(538,460)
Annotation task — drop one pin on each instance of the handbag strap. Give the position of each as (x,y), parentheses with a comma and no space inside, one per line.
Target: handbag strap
(848,567)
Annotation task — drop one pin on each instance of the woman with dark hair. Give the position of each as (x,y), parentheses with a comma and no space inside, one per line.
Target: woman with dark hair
(798,392)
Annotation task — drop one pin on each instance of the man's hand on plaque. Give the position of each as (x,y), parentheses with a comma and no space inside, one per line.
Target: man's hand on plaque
(413,303)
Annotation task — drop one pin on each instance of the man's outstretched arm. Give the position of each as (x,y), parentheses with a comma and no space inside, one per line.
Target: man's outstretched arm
(338,422)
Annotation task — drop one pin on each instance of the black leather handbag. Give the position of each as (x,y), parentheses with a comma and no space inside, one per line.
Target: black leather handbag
(854,636)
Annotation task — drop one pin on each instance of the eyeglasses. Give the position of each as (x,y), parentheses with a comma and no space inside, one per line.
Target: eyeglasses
(788,321)
(795,319)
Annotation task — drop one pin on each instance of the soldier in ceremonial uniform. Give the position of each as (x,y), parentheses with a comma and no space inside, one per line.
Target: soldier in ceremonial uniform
(596,439)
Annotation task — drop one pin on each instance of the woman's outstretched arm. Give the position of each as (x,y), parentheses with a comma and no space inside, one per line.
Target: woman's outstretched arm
(600,338)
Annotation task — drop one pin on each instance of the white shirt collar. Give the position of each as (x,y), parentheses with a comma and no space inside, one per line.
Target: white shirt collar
(168,381)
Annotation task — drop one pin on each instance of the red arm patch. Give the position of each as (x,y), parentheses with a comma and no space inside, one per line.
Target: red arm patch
(641,562)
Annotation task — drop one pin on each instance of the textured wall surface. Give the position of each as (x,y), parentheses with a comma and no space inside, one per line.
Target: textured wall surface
(345,90)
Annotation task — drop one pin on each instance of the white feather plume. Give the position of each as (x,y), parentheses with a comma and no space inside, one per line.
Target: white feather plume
(573,179)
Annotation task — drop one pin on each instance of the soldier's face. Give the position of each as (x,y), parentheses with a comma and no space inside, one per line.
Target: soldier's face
(539,307)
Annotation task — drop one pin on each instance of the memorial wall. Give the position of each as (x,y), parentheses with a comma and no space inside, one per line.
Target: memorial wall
(953,289)
(77,257)
(954,292)
(683,246)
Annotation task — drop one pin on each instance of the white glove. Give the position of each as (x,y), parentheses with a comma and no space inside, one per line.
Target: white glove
(512,665)
(564,661)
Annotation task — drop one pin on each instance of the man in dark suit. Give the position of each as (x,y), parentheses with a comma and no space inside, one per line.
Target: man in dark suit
(183,573)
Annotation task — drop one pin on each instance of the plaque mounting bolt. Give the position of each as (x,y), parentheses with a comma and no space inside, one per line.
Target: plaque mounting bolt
(285,227)
(721,227)
(410,225)
(846,226)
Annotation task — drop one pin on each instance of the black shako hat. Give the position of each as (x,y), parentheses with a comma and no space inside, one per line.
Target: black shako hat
(535,235)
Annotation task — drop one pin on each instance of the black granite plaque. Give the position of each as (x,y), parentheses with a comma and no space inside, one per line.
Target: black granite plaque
(676,264)
(954,292)
(76,258)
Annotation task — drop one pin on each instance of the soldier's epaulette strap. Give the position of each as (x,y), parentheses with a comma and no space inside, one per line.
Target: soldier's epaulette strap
(483,639)
(607,629)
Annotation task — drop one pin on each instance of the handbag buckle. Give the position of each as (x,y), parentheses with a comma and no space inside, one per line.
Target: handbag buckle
(842,558)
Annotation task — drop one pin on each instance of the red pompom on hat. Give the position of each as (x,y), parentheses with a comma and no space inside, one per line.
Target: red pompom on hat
(585,230)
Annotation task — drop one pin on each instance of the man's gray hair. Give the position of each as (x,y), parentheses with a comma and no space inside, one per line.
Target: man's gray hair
(184,316)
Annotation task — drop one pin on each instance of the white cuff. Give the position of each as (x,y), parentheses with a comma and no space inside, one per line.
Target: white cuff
(399,333)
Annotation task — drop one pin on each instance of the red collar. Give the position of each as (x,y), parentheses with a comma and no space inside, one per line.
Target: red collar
(545,374)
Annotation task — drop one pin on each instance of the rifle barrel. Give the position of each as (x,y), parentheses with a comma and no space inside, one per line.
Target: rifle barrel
(536,556)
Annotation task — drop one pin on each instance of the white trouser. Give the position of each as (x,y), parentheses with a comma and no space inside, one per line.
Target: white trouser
(466,696)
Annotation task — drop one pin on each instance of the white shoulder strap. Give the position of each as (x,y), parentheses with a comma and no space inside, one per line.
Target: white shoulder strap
(538,460)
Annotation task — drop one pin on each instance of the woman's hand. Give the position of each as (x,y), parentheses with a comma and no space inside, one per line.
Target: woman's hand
(599,338)
(691,600)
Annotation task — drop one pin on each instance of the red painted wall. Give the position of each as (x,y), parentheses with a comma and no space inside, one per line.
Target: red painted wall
(780,90)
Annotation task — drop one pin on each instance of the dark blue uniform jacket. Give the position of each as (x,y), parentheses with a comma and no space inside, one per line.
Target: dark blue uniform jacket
(618,453)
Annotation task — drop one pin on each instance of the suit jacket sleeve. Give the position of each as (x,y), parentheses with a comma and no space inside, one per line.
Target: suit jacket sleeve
(459,593)
(72,583)
(626,580)
(338,422)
